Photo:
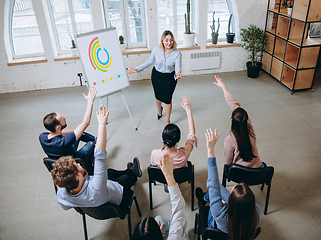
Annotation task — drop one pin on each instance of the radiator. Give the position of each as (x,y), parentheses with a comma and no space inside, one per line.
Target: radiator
(205,60)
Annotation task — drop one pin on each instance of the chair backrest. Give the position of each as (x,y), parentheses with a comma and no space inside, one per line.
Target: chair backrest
(109,210)
(251,176)
(181,175)
(49,161)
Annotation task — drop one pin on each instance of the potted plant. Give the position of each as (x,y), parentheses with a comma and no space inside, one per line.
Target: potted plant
(122,44)
(230,36)
(289,5)
(74,51)
(254,41)
(215,33)
(189,37)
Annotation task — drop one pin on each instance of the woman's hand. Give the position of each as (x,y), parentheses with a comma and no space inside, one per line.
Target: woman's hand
(132,70)
(178,75)
(211,139)
(219,82)
(102,116)
(167,168)
(186,103)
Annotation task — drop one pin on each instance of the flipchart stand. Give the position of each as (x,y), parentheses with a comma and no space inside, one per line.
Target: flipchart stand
(125,105)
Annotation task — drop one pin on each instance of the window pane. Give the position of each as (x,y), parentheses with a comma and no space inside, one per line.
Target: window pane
(165,16)
(134,21)
(25,33)
(83,16)
(27,45)
(64,40)
(223,13)
(114,16)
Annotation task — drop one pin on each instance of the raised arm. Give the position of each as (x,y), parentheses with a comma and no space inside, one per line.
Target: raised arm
(177,201)
(217,207)
(86,120)
(230,100)
(102,118)
(187,106)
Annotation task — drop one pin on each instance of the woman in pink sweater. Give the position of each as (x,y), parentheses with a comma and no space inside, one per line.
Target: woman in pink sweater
(240,145)
(171,136)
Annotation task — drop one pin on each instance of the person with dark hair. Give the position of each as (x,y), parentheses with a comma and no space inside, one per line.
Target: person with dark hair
(240,145)
(234,213)
(106,185)
(165,73)
(150,228)
(171,136)
(60,142)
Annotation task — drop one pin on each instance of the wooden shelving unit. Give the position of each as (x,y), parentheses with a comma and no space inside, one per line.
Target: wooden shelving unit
(290,55)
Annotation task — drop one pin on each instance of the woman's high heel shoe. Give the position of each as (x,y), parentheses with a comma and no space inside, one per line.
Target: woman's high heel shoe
(159,116)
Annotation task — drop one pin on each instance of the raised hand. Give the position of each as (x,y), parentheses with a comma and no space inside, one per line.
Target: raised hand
(167,168)
(219,82)
(211,139)
(186,104)
(91,94)
(132,70)
(102,116)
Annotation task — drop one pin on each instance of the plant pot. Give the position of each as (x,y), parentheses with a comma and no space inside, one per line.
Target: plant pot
(189,39)
(230,37)
(74,51)
(122,47)
(253,71)
(289,11)
(214,38)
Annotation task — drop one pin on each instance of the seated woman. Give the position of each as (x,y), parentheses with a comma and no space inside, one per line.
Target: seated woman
(234,213)
(240,145)
(171,136)
(150,228)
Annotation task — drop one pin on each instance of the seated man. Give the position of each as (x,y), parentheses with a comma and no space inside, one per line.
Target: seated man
(61,142)
(104,186)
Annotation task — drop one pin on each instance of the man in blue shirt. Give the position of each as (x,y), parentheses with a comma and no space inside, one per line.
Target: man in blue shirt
(59,142)
(75,190)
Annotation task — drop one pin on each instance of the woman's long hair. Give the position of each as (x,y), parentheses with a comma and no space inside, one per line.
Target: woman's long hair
(242,217)
(171,135)
(242,132)
(147,229)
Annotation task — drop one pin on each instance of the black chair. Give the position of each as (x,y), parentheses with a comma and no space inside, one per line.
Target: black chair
(184,174)
(201,227)
(107,210)
(250,176)
(89,168)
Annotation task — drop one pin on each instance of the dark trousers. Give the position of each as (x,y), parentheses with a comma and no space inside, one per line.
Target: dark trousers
(126,178)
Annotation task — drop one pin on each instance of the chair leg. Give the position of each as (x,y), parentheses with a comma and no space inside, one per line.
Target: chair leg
(137,207)
(262,186)
(150,196)
(267,199)
(225,169)
(129,226)
(85,226)
(195,224)
(192,189)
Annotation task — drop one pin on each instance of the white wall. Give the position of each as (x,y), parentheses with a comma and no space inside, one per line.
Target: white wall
(64,74)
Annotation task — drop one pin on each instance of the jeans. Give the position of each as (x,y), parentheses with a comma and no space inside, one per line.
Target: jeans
(87,151)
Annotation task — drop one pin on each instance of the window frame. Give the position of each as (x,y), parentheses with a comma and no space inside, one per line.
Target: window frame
(125,23)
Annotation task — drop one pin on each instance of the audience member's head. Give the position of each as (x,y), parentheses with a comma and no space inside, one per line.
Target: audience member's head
(51,120)
(242,132)
(147,229)
(171,135)
(64,173)
(242,217)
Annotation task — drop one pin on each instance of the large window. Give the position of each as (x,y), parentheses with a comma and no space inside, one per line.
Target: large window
(25,36)
(69,18)
(171,16)
(128,18)
(222,11)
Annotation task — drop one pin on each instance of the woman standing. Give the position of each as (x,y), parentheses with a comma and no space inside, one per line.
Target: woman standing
(165,73)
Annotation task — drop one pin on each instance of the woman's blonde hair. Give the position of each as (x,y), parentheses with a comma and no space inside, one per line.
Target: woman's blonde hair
(164,34)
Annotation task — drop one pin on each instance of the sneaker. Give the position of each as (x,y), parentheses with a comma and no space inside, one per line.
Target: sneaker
(166,188)
(136,167)
(200,194)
